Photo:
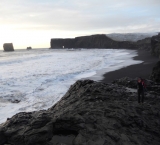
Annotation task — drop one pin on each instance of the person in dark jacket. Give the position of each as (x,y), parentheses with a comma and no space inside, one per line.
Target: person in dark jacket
(140,86)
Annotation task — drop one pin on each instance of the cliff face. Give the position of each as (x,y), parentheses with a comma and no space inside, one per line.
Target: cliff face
(8,47)
(60,43)
(155,45)
(93,41)
(90,113)
(144,43)
(155,76)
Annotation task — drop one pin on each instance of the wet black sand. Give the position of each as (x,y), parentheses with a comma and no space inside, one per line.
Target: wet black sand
(143,69)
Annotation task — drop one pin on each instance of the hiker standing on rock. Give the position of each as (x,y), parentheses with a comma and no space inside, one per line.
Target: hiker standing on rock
(140,86)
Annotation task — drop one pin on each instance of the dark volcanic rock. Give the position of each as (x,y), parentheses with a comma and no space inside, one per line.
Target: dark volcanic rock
(144,44)
(8,47)
(29,48)
(155,76)
(93,41)
(155,45)
(62,43)
(102,41)
(90,113)
(127,82)
(151,86)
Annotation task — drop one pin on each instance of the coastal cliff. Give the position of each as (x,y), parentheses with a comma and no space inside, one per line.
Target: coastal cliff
(155,76)
(93,41)
(90,113)
(155,45)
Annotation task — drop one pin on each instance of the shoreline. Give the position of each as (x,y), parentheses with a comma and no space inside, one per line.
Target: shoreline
(143,69)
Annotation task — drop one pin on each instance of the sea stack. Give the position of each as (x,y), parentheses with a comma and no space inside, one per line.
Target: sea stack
(29,48)
(8,47)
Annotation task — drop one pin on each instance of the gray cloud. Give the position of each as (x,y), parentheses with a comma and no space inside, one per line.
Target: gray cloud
(81,15)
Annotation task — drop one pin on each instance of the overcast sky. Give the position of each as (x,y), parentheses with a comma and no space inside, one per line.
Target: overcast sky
(35,22)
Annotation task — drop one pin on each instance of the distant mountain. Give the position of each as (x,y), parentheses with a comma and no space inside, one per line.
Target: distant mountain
(130,36)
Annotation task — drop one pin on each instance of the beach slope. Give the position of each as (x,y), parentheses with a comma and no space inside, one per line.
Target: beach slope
(143,69)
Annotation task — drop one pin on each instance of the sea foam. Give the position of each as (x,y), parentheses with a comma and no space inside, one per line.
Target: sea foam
(37,79)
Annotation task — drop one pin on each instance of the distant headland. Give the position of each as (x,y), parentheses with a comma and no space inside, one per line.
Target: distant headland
(115,40)
(93,41)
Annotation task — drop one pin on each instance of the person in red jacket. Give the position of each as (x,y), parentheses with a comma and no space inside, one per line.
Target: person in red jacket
(140,86)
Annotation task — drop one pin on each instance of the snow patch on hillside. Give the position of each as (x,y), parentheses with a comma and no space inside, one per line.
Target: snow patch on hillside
(130,36)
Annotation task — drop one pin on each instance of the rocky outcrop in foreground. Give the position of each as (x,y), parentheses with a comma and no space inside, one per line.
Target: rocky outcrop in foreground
(8,47)
(90,113)
(151,86)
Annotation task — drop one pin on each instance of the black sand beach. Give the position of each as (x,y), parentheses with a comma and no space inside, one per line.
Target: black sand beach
(143,69)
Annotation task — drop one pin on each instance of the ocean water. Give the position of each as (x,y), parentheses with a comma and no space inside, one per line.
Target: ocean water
(38,78)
